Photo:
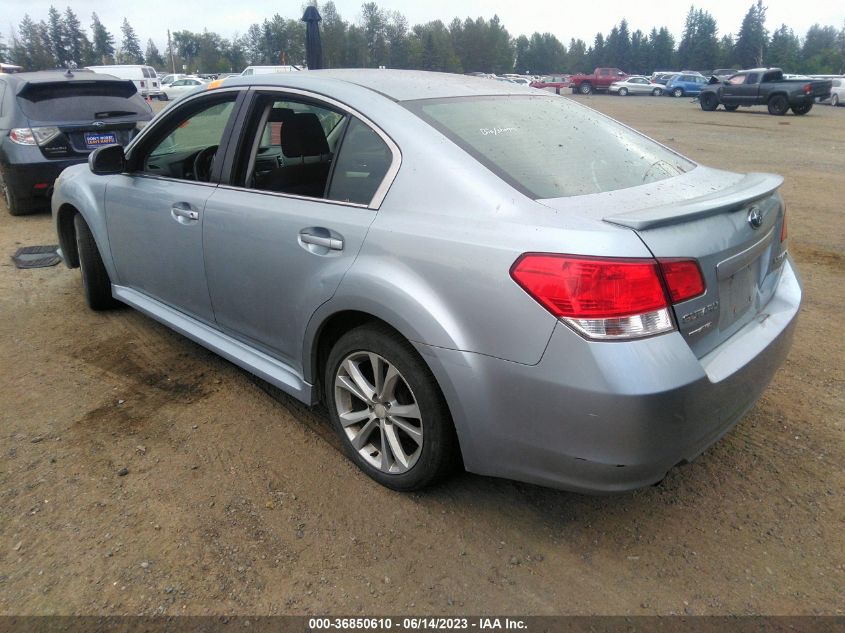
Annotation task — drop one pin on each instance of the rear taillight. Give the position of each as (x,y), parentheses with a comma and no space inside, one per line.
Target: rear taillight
(808,88)
(609,298)
(600,298)
(33,136)
(683,279)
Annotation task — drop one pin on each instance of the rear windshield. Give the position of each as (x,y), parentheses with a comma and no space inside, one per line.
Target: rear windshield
(550,147)
(80,101)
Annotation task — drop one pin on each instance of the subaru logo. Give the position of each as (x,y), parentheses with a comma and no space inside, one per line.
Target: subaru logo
(755,217)
(98,124)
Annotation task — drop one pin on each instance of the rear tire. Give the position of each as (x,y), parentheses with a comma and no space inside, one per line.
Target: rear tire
(585,88)
(802,109)
(678,92)
(95,279)
(778,105)
(13,203)
(708,102)
(834,100)
(400,452)
(656,92)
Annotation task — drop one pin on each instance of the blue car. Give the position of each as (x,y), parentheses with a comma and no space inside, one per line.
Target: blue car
(685,84)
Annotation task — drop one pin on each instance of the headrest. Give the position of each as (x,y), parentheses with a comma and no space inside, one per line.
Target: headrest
(304,136)
(279,115)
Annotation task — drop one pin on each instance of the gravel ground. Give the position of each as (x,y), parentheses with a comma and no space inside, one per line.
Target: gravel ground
(142,474)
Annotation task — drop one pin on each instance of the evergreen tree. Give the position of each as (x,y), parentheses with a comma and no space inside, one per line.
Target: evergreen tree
(661,49)
(373,22)
(334,36)
(3,50)
(752,39)
(784,50)
(820,53)
(152,55)
(699,48)
(577,56)
(56,37)
(102,45)
(76,43)
(130,47)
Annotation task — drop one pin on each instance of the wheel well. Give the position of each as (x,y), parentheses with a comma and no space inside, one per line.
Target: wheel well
(777,94)
(330,332)
(67,235)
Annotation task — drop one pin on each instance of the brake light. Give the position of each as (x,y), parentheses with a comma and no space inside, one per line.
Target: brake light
(600,298)
(683,279)
(808,88)
(783,228)
(33,136)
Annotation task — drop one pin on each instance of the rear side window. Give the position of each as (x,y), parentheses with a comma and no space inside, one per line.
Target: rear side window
(361,165)
(82,101)
(752,78)
(550,147)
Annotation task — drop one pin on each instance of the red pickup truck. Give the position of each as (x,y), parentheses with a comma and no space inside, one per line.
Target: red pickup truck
(599,81)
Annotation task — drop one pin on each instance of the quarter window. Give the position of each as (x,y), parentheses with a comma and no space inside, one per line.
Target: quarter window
(362,164)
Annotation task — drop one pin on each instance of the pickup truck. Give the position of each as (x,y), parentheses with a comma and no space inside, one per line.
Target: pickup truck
(763,86)
(599,81)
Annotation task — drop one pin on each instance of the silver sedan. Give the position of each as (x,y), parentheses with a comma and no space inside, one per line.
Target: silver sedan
(467,273)
(636,86)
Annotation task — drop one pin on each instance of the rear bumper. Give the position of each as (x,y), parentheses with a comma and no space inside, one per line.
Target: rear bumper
(36,180)
(610,417)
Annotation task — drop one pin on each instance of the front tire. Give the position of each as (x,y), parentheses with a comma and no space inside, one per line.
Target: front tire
(834,100)
(802,109)
(623,92)
(656,92)
(778,105)
(708,102)
(678,92)
(95,279)
(585,88)
(387,408)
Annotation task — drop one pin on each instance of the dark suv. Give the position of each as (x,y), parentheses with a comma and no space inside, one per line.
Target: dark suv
(52,119)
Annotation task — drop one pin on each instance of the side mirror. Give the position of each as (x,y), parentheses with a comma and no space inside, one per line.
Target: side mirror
(107,160)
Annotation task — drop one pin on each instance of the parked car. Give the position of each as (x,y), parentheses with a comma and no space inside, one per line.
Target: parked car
(635,85)
(765,86)
(181,87)
(267,70)
(685,84)
(50,120)
(496,307)
(599,81)
(724,73)
(662,78)
(552,83)
(169,79)
(145,78)
(837,91)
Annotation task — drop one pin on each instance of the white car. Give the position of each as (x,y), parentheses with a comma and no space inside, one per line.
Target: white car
(635,85)
(166,80)
(837,91)
(181,87)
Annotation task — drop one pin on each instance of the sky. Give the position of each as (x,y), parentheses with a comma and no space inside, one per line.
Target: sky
(152,18)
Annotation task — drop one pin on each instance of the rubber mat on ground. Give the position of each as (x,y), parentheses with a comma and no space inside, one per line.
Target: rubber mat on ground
(37,256)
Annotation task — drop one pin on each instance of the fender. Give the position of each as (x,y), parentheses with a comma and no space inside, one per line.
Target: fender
(77,187)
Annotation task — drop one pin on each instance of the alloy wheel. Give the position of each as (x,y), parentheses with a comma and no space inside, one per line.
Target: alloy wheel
(379,413)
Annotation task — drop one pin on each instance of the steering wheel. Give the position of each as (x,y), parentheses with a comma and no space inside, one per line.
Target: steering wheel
(202,163)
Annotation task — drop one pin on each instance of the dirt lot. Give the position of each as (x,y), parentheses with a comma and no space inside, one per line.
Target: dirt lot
(239,502)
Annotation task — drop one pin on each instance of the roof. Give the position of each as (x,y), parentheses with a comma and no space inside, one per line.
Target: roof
(398,85)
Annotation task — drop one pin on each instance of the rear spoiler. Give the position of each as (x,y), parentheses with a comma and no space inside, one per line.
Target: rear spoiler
(41,90)
(752,187)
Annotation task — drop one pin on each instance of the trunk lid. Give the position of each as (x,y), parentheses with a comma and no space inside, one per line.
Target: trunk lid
(734,235)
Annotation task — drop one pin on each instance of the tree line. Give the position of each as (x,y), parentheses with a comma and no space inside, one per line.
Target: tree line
(381,37)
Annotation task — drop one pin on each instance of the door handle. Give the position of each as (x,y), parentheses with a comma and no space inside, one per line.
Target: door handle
(183,213)
(331,243)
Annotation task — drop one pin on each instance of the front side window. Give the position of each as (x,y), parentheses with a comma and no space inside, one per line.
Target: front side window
(548,147)
(188,145)
(736,80)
